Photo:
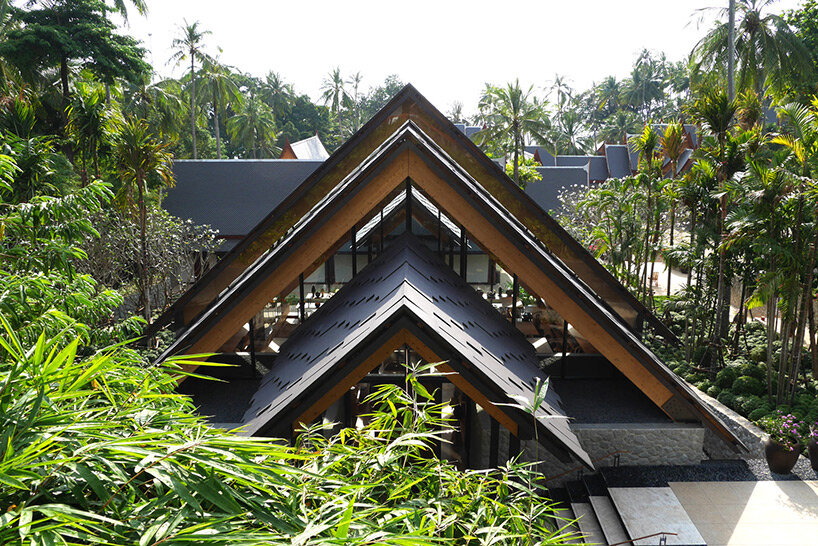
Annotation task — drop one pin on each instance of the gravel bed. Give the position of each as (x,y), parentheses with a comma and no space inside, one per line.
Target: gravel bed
(708,471)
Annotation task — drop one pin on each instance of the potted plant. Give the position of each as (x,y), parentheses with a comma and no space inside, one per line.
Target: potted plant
(784,443)
(812,446)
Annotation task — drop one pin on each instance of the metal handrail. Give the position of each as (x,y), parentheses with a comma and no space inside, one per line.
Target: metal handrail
(580,467)
(631,541)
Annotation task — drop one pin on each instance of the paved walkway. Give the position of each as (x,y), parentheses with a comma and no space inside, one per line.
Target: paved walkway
(765,513)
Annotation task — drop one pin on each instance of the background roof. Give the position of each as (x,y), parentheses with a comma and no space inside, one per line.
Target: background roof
(233,196)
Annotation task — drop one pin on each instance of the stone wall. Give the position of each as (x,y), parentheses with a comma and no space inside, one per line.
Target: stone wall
(752,436)
(644,444)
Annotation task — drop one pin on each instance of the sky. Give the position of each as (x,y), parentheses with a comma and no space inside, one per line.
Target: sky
(447,49)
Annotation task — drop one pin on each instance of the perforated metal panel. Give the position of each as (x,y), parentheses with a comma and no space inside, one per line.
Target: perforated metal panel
(409,280)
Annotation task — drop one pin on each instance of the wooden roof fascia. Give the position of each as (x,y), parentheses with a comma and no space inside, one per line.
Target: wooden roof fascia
(606,333)
(406,104)
(370,138)
(616,333)
(538,221)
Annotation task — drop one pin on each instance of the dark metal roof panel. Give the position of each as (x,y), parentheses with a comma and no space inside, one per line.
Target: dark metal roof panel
(546,192)
(618,160)
(232,196)
(546,158)
(409,278)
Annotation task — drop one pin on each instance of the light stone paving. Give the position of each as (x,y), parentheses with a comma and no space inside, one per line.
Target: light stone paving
(648,510)
(767,513)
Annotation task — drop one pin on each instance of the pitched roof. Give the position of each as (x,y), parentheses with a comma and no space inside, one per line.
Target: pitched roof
(408,281)
(546,192)
(310,148)
(618,160)
(410,153)
(408,104)
(251,188)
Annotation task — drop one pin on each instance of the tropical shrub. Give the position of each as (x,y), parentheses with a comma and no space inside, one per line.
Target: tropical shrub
(101,450)
(747,385)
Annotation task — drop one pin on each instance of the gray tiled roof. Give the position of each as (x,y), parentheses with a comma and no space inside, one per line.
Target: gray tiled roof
(546,158)
(554,179)
(310,149)
(233,196)
(408,281)
(618,160)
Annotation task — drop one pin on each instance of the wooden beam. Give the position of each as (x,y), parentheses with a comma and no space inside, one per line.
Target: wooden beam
(515,259)
(404,337)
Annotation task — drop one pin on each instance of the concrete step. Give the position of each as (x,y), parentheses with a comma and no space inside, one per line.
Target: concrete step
(608,518)
(588,524)
(648,510)
(569,525)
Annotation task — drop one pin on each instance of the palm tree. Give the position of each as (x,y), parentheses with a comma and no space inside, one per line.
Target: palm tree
(121,7)
(715,111)
(568,133)
(801,141)
(160,103)
(562,90)
(672,143)
(222,92)
(89,122)
(277,94)
(141,159)
(254,127)
(355,81)
(511,114)
(618,126)
(335,95)
(189,46)
(767,50)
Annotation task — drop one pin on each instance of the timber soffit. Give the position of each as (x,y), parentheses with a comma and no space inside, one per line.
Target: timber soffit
(549,265)
(401,106)
(409,280)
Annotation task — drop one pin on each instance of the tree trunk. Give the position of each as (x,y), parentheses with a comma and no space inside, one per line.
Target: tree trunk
(216,124)
(719,327)
(672,225)
(193,104)
(770,338)
(783,361)
(143,244)
(516,160)
(806,299)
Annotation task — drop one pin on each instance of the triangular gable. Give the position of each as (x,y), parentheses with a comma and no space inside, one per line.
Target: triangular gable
(410,296)
(287,151)
(410,154)
(408,104)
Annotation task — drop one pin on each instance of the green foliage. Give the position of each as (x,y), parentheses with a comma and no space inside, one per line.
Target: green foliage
(747,385)
(714,391)
(526,171)
(101,450)
(726,377)
(54,34)
(727,398)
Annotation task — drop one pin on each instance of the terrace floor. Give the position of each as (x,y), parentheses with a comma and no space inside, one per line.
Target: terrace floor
(745,513)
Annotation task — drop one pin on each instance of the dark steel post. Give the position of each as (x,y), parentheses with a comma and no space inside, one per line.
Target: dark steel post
(494,443)
(564,342)
(513,445)
(301,309)
(515,289)
(253,342)
(353,238)
(463,258)
(439,235)
(381,229)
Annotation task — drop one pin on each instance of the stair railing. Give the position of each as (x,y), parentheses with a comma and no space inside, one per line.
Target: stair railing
(614,454)
(662,540)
